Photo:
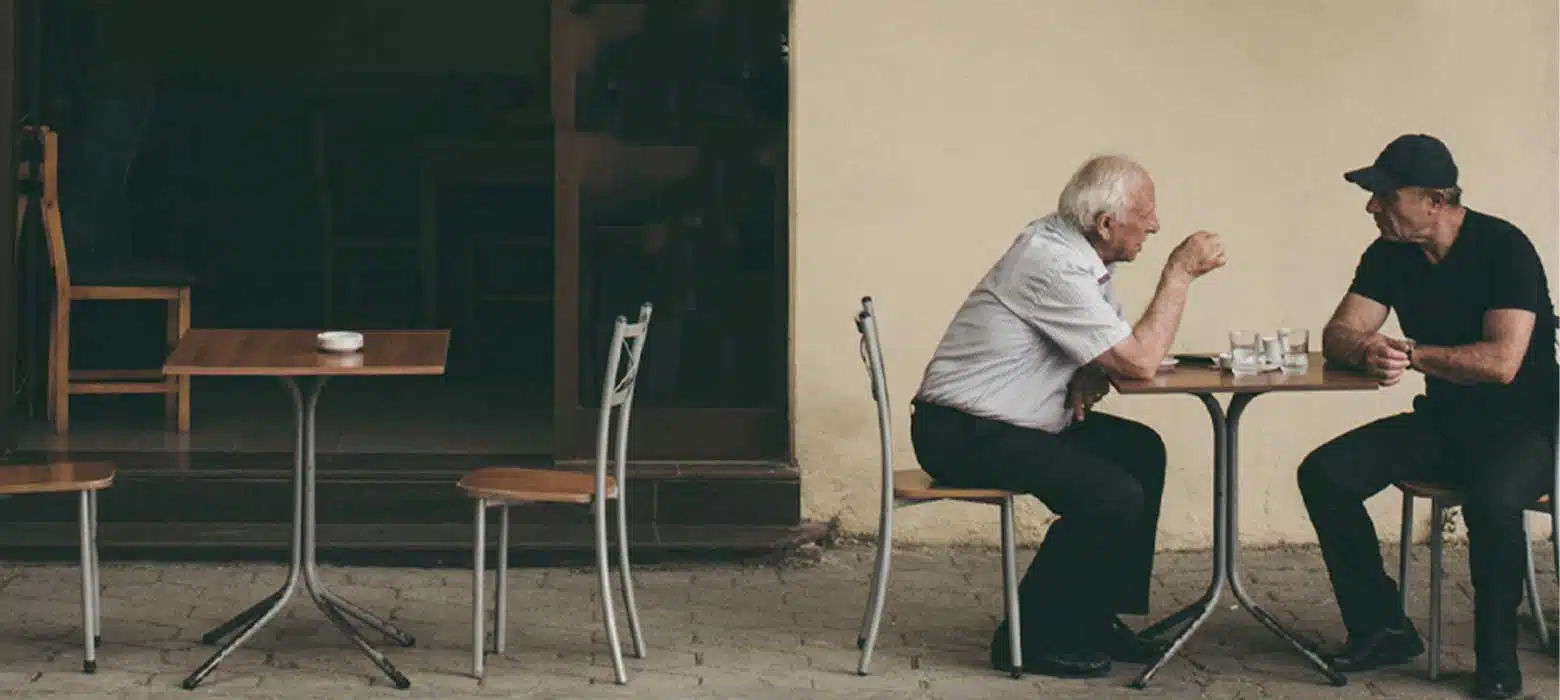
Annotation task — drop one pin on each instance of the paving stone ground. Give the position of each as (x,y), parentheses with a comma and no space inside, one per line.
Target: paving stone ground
(714,631)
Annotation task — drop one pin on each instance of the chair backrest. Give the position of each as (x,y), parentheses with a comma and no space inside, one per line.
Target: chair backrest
(617,395)
(49,206)
(872,357)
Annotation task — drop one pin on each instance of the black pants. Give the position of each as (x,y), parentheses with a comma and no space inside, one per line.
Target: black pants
(1503,465)
(1102,476)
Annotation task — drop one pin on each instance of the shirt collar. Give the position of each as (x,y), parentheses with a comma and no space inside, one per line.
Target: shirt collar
(1075,240)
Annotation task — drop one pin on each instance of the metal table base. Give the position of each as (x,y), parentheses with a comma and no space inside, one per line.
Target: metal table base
(1226,548)
(305,393)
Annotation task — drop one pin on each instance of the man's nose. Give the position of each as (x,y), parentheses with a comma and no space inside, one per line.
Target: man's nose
(1373,205)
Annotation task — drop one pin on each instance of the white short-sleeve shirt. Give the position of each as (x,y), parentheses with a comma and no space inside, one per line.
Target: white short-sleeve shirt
(1046,309)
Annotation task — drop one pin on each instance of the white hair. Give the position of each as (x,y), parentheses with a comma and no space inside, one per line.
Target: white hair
(1102,185)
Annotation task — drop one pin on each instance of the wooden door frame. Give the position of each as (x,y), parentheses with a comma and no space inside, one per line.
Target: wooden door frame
(671,434)
(8,289)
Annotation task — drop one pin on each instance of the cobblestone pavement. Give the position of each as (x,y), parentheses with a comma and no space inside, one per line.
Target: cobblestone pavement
(714,631)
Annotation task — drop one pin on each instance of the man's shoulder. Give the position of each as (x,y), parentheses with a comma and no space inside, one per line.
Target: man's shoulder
(1495,233)
(1049,246)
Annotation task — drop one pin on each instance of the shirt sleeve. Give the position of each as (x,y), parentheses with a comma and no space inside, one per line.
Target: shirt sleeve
(1373,275)
(1070,308)
(1517,280)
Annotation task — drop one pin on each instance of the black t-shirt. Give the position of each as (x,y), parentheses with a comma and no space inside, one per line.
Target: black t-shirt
(1491,265)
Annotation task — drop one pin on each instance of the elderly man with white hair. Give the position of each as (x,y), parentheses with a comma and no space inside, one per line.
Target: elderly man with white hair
(1005,403)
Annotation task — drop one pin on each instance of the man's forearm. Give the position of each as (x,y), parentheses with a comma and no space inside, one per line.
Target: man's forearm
(1476,363)
(1344,346)
(1155,331)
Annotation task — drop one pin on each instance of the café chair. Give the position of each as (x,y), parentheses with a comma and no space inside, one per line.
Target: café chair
(501,487)
(121,280)
(84,479)
(909,487)
(1441,499)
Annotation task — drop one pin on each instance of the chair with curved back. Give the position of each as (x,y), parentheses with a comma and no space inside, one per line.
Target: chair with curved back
(1443,498)
(910,487)
(501,487)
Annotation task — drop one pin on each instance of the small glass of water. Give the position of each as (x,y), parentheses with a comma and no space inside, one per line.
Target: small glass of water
(1297,350)
(1245,352)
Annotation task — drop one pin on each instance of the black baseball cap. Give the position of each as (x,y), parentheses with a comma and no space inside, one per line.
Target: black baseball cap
(1411,160)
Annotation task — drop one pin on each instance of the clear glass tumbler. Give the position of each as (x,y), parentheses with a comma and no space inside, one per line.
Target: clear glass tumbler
(1245,352)
(1297,349)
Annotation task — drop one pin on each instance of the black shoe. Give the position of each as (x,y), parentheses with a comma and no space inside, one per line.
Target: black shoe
(1082,663)
(1384,647)
(1122,644)
(1500,684)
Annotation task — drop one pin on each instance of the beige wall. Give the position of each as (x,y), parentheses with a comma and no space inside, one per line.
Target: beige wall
(927,132)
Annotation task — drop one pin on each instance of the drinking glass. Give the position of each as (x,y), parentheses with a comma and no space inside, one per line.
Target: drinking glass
(1245,352)
(1297,349)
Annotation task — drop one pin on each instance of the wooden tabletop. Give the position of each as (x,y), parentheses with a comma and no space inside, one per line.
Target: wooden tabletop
(270,353)
(1203,379)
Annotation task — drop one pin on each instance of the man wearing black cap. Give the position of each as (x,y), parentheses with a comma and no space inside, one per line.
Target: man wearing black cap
(1471,295)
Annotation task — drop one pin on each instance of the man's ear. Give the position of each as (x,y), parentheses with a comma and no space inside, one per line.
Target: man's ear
(1102,224)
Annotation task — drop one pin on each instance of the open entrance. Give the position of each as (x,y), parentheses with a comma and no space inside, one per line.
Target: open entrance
(517,171)
(344,165)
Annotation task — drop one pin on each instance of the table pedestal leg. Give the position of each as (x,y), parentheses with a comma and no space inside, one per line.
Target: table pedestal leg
(1226,549)
(302,568)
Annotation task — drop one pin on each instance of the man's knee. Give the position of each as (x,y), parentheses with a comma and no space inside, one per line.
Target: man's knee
(1119,500)
(1147,449)
(1321,473)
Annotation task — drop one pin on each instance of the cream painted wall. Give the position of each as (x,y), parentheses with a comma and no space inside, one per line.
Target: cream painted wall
(927,132)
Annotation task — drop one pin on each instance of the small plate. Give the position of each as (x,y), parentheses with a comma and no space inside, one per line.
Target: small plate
(1168,362)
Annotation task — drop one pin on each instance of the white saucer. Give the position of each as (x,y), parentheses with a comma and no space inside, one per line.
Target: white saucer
(1169,362)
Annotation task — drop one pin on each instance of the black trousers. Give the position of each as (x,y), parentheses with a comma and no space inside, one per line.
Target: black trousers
(1503,464)
(1103,476)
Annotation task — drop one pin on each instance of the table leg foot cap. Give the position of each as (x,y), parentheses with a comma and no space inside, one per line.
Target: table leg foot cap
(410,642)
(1339,681)
(1138,685)
(401,683)
(1018,673)
(89,667)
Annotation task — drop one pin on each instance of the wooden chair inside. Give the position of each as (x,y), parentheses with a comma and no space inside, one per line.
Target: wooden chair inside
(117,280)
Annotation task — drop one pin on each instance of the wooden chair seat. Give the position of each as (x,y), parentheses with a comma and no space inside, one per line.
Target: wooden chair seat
(1452,496)
(516,484)
(917,485)
(129,273)
(62,477)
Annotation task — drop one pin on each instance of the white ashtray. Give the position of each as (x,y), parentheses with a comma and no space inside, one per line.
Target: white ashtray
(339,341)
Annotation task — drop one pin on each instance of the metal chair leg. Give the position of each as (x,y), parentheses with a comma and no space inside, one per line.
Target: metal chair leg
(501,605)
(97,577)
(1010,586)
(1405,544)
(1534,606)
(1437,526)
(88,585)
(604,577)
(626,579)
(872,617)
(478,566)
